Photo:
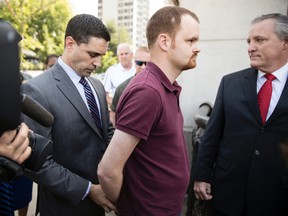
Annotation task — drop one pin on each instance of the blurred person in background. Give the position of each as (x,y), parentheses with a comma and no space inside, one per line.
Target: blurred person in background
(118,73)
(142,56)
(51,60)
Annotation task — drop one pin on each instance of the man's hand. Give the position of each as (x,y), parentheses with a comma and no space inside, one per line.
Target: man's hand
(16,146)
(97,195)
(202,190)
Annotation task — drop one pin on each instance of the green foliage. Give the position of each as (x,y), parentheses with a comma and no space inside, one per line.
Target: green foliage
(111,26)
(41,23)
(118,35)
(107,60)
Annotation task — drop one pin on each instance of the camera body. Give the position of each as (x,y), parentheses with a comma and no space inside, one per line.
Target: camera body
(10,109)
(41,148)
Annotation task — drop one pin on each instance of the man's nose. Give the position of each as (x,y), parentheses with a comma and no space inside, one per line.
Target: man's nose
(97,62)
(251,47)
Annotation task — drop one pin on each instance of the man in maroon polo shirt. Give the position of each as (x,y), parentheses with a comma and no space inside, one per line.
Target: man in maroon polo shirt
(145,169)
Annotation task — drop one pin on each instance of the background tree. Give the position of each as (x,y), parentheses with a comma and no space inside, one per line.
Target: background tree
(118,35)
(107,60)
(41,24)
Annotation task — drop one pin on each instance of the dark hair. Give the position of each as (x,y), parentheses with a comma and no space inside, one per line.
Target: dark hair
(166,20)
(49,57)
(83,26)
(281,24)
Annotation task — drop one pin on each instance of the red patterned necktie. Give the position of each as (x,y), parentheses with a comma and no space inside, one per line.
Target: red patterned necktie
(264,96)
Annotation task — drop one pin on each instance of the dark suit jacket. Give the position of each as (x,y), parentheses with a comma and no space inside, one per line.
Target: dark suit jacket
(239,155)
(78,145)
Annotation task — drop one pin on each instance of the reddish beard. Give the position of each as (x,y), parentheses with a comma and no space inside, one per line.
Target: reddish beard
(191,63)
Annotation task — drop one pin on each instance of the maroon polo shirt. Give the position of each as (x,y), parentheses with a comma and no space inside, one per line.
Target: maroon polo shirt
(156,175)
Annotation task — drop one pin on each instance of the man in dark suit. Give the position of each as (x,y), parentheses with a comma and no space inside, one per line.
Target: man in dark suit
(68,183)
(239,165)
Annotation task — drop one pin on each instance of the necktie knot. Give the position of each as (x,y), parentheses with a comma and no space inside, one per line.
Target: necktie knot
(270,77)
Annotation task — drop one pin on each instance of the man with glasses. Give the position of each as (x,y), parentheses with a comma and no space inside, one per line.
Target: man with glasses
(142,56)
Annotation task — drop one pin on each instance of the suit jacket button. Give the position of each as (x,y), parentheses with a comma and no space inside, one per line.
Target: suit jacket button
(257,152)
(262,130)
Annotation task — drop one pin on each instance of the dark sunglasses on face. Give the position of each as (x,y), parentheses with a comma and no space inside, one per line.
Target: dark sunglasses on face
(140,63)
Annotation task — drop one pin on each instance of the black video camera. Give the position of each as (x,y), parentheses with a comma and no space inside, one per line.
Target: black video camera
(13,103)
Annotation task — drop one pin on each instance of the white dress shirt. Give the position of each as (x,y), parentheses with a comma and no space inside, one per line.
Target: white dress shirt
(115,75)
(75,79)
(277,86)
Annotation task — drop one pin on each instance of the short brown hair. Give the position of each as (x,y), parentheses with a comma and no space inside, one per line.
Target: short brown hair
(166,20)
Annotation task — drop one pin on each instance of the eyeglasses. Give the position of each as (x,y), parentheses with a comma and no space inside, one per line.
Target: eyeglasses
(140,63)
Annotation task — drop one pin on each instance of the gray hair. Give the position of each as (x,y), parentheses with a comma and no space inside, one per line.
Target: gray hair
(124,45)
(281,24)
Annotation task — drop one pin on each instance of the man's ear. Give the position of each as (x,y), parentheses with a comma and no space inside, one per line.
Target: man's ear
(285,44)
(164,41)
(69,42)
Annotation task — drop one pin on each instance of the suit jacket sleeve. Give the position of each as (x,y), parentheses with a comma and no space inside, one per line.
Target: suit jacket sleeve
(57,178)
(211,139)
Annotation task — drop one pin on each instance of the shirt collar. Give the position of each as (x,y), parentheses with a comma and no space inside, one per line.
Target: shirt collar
(281,74)
(70,72)
(153,68)
(120,67)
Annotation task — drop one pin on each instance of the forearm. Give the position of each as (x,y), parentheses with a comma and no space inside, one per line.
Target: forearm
(110,169)
(111,185)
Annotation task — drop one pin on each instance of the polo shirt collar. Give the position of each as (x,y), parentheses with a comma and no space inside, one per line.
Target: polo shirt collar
(175,87)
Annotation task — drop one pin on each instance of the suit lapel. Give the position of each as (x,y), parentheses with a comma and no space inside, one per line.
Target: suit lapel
(249,86)
(67,87)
